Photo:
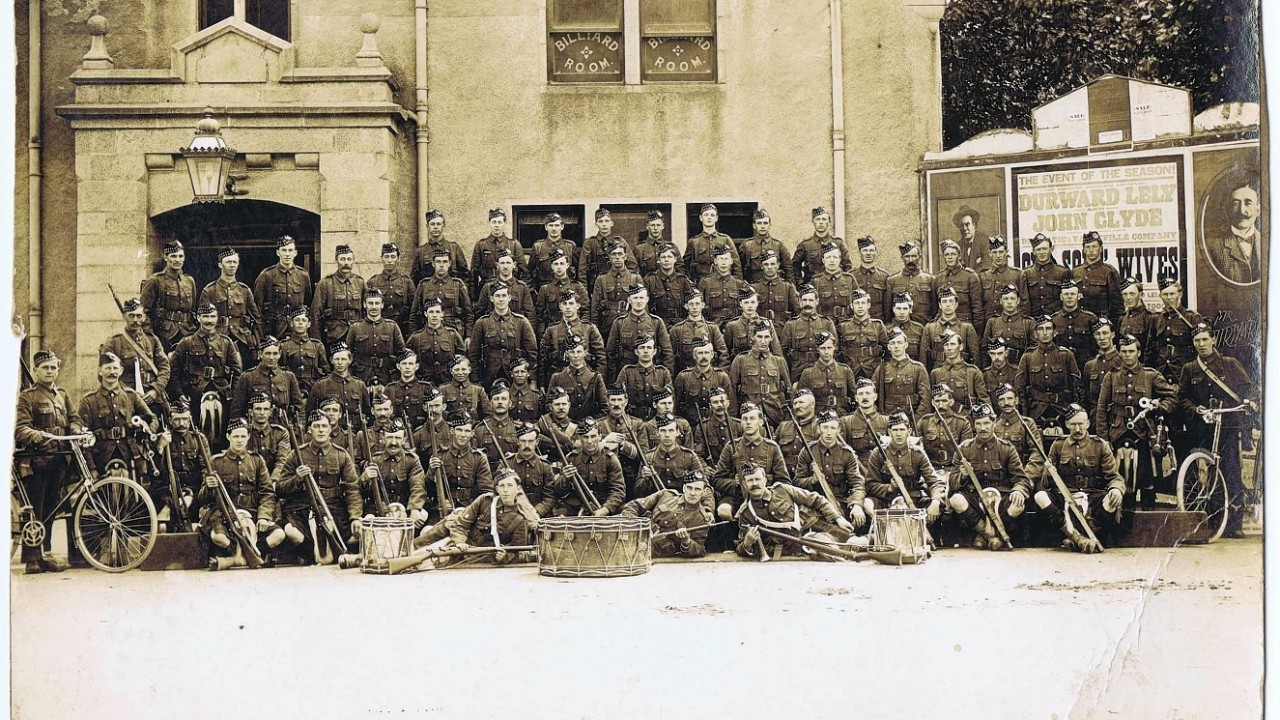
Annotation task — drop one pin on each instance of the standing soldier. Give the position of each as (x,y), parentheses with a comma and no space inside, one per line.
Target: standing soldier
(901,383)
(462,394)
(799,336)
(484,255)
(1048,377)
(436,343)
(686,332)
(936,439)
(1118,404)
(248,483)
(281,288)
(1088,468)
(521,295)
(500,337)
(108,413)
(237,312)
(335,475)
(44,410)
(694,384)
(964,282)
(914,282)
(668,290)
(999,470)
(643,379)
(835,286)
(1073,324)
(995,277)
(779,300)
(807,261)
(647,244)
(599,472)
(719,287)
(1136,319)
(375,342)
(205,362)
(302,354)
(964,378)
(949,322)
(409,392)
(549,294)
(267,378)
(1000,371)
(452,293)
(1040,284)
(873,279)
(338,296)
(1172,330)
(584,385)
(266,438)
(1011,324)
(594,256)
(754,249)
(836,463)
(146,366)
(341,385)
(746,447)
(1099,282)
(903,319)
(863,436)
(700,251)
(623,335)
(1096,368)
(739,333)
(169,298)
(424,257)
(862,337)
(760,375)
(926,485)
(526,398)
(540,262)
(396,287)
(833,383)
(551,358)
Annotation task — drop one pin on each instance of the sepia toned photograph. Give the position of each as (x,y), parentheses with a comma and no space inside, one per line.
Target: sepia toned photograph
(637,358)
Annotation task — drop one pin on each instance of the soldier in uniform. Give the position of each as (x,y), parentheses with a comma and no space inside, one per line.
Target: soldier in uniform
(594,256)
(835,462)
(461,394)
(752,251)
(609,294)
(267,377)
(685,333)
(903,314)
(1040,284)
(521,295)
(643,379)
(700,251)
(205,362)
(238,315)
(396,286)
(499,517)
(1017,429)
(693,384)
(169,298)
(1099,283)
(1011,324)
(341,432)
(496,434)
(675,511)
(760,375)
(832,383)
(267,439)
(334,473)
(835,286)
(350,391)
(187,452)
(44,410)
(1048,377)
(1088,468)
(537,476)
(999,470)
(1073,324)
(965,379)
(436,343)
(281,288)
(948,321)
(995,277)
(861,435)
(799,335)
(434,433)
(664,403)
(623,434)
(873,279)
(739,333)
(146,365)
(788,509)
(720,287)
(585,386)
(1000,371)
(598,471)
(452,293)
(915,282)
(909,461)
(901,383)
(862,337)
(540,262)
(934,437)
(964,283)
(108,413)
(647,244)
(500,337)
(668,461)
(1136,319)
(669,290)
(550,293)
(1172,329)
(717,425)
(806,264)
(623,335)
(1096,368)
(751,447)
(526,397)
(485,254)
(778,297)
(466,469)
(1119,402)
(554,336)
(400,472)
(424,256)
(409,391)
(302,354)
(338,296)
(248,482)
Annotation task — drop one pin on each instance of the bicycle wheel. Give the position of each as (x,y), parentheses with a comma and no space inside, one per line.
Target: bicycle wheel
(1202,487)
(115,524)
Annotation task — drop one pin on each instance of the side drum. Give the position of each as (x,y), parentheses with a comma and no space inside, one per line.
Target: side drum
(903,529)
(594,547)
(382,539)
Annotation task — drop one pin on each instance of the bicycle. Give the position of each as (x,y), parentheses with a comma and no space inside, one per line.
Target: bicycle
(113,517)
(1201,486)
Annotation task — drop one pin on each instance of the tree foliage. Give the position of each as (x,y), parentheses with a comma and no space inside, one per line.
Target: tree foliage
(1003,58)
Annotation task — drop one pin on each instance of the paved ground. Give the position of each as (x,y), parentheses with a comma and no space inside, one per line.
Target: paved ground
(1026,635)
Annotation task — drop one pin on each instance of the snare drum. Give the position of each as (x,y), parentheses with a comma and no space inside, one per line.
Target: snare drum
(381,539)
(903,529)
(594,547)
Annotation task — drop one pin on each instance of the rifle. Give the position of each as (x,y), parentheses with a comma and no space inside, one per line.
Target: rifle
(1072,508)
(631,429)
(893,472)
(587,497)
(381,498)
(704,526)
(239,522)
(444,501)
(161,396)
(993,514)
(702,427)
(319,507)
(502,457)
(177,518)
(813,459)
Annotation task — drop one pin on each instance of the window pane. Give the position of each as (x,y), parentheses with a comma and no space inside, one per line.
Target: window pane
(269,15)
(678,59)
(585,57)
(215,11)
(585,14)
(677,17)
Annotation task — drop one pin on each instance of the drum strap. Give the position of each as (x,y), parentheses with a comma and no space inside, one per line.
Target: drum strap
(793,525)
(493,522)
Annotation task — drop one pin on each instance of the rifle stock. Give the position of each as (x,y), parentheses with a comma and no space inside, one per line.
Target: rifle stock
(444,501)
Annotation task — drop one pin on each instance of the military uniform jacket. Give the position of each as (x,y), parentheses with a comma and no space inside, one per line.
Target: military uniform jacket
(991,280)
(335,474)
(1140,323)
(625,425)
(551,358)
(467,471)
(526,402)
(1099,289)
(338,302)
(1118,396)
(1197,389)
(238,314)
(799,339)
(42,408)
(397,291)
(714,432)
(496,438)
(467,396)
(603,476)
(646,251)
(667,511)
(432,438)
(937,444)
(593,260)
(863,344)
(475,524)
(966,381)
(860,437)
(840,464)
(187,453)
(1086,464)
(876,282)
(521,299)
(648,433)
(1011,427)
(248,483)
(423,265)
(832,384)
(752,255)
(540,261)
(586,390)
(1094,371)
(455,301)
(404,478)
(435,348)
(407,399)
(608,298)
(1172,341)
(1041,288)
(727,476)
(547,302)
(1073,330)
(278,292)
(1017,330)
(835,294)
(537,478)
(1048,377)
(170,300)
(620,348)
(306,358)
(968,289)
(693,386)
(641,384)
(667,295)
(915,338)
(901,385)
(150,346)
(920,286)
(202,362)
(484,262)
(993,377)
(996,464)
(270,442)
(915,469)
(931,341)
(806,264)
(739,336)
(277,383)
(763,379)
(779,300)
(700,250)
(350,391)
(685,332)
(497,341)
(784,507)
(672,466)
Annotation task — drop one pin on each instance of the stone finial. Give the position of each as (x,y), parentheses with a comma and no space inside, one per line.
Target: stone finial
(369,56)
(97,58)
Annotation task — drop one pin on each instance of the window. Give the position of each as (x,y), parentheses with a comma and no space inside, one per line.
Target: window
(678,40)
(269,15)
(734,218)
(530,225)
(584,43)
(632,221)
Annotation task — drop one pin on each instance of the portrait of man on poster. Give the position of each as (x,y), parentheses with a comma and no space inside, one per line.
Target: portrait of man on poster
(1235,250)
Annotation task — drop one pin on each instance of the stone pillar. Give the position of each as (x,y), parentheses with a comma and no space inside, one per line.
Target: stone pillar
(355,197)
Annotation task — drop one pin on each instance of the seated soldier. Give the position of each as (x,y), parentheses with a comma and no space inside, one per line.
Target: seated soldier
(465,468)
(836,464)
(680,517)
(592,475)
(495,519)
(786,509)
(334,474)
(668,462)
(749,447)
(1088,469)
(537,476)
(399,473)
(903,459)
(1005,486)
(244,474)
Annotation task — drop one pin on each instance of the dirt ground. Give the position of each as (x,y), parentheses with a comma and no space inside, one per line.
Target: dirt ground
(1030,634)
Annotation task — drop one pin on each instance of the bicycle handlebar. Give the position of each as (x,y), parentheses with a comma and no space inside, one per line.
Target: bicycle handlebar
(1223,411)
(82,437)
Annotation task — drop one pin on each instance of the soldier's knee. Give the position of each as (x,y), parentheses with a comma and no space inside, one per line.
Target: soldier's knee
(1042,500)
(293,534)
(724,511)
(959,503)
(275,537)
(220,539)
(1014,512)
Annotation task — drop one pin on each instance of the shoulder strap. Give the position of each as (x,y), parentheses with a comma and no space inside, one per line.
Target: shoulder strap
(1235,397)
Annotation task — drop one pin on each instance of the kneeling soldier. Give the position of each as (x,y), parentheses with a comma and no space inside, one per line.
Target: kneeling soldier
(1088,469)
(1004,481)
(244,474)
(786,509)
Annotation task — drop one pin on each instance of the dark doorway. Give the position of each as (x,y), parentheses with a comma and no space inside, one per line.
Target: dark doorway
(531,223)
(735,219)
(250,227)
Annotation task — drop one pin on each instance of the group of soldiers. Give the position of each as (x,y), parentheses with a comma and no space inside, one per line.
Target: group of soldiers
(734,381)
